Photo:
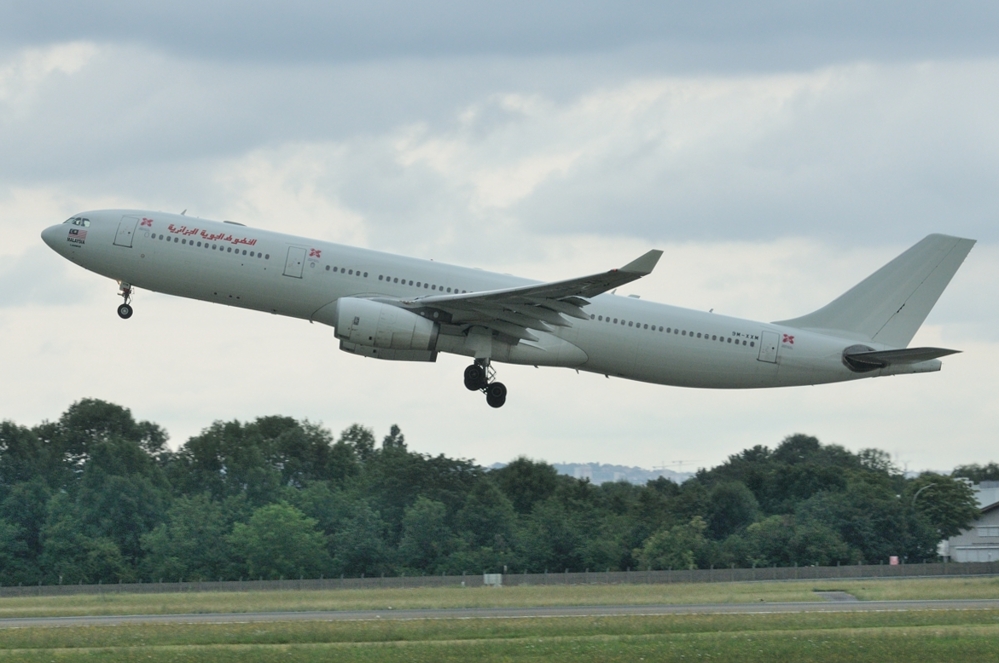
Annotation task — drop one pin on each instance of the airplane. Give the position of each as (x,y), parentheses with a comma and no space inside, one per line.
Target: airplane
(393,307)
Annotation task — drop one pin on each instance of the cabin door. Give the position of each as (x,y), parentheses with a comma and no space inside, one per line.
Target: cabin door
(125,231)
(768,347)
(295,262)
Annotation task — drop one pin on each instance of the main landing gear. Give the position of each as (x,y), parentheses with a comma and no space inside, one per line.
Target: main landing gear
(480,376)
(125,310)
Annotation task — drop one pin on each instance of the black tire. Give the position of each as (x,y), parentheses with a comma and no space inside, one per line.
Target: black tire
(475,377)
(496,394)
(124,311)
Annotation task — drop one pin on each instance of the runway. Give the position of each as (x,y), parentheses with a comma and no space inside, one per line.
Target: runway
(504,613)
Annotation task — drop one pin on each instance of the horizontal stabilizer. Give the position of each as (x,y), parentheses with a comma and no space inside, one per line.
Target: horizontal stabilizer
(863,358)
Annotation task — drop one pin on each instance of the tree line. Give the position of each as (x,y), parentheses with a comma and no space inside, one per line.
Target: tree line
(97,496)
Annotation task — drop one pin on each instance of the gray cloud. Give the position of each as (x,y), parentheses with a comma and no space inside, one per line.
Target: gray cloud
(717,35)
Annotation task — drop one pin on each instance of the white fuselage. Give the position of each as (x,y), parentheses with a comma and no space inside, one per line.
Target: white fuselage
(298,277)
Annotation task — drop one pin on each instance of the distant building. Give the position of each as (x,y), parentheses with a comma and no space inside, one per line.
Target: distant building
(980,542)
(598,473)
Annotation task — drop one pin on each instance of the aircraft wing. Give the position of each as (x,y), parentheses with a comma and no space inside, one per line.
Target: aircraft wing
(539,306)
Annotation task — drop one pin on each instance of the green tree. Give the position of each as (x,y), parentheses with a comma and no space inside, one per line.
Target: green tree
(25,457)
(279,541)
(359,543)
(360,440)
(426,538)
(873,519)
(783,540)
(91,421)
(487,519)
(73,552)
(25,505)
(551,538)
(14,560)
(732,507)
(678,547)
(947,503)
(191,544)
(977,473)
(526,482)
(121,495)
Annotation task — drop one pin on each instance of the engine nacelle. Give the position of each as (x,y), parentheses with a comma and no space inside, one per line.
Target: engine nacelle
(384,331)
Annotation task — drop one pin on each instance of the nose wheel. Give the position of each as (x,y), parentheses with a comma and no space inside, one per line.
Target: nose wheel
(480,376)
(125,309)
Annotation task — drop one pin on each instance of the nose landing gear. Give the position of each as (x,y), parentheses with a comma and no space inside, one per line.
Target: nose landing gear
(125,309)
(480,376)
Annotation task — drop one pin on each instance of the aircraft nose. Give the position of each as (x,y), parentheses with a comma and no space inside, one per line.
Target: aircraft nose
(51,235)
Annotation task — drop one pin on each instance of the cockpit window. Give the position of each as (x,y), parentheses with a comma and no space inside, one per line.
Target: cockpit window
(78,221)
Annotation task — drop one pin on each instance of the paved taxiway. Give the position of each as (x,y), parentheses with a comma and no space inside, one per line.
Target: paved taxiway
(505,613)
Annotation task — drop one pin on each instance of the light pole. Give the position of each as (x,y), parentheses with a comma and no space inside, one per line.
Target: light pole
(929,485)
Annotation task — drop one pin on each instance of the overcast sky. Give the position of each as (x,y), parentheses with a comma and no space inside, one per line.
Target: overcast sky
(778,152)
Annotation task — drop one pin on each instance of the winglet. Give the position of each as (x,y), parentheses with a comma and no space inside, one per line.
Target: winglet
(645,264)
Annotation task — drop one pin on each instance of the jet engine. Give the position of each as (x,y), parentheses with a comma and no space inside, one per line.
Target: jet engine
(383,331)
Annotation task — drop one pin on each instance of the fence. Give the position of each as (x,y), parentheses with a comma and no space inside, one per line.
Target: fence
(776,573)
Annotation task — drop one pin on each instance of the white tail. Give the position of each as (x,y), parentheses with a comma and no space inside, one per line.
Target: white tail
(890,304)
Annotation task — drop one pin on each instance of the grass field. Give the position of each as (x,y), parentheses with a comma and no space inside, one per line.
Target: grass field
(484,597)
(932,635)
(882,636)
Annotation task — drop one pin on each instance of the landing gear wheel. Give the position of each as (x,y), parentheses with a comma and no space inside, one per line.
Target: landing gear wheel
(125,292)
(496,394)
(475,377)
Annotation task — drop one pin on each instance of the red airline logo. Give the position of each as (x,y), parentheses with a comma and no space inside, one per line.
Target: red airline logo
(315,253)
(788,339)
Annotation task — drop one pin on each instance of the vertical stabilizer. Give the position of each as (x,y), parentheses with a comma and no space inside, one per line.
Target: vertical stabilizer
(890,304)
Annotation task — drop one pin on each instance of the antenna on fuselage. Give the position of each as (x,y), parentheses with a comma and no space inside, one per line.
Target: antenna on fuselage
(184,212)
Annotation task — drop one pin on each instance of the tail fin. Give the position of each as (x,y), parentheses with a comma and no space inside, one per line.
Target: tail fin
(890,304)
